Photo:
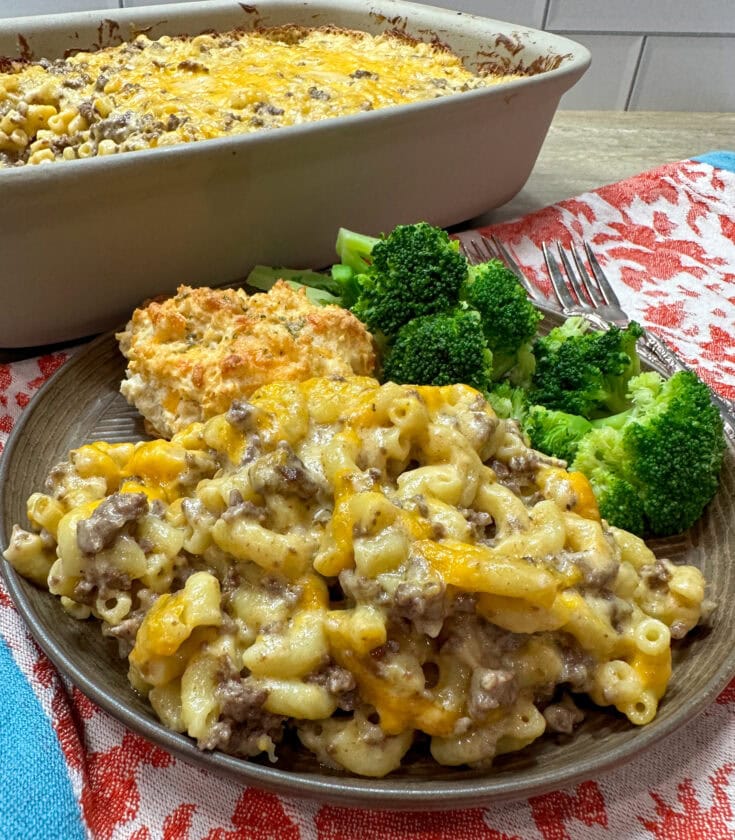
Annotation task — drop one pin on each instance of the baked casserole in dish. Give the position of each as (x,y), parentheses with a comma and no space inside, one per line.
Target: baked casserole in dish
(113,229)
(144,94)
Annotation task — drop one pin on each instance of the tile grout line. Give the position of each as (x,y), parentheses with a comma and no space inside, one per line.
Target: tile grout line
(636,72)
(640,33)
(545,16)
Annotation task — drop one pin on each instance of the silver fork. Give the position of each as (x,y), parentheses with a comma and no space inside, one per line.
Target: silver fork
(580,293)
(591,296)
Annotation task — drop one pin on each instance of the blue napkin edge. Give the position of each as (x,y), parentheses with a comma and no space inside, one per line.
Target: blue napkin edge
(720,159)
(37,801)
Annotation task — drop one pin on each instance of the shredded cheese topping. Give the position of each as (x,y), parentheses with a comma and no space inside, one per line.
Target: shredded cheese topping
(358,562)
(145,94)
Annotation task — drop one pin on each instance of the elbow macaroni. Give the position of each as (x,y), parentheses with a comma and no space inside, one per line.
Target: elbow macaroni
(145,94)
(360,553)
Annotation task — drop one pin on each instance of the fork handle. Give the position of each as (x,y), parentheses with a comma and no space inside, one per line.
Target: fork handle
(664,354)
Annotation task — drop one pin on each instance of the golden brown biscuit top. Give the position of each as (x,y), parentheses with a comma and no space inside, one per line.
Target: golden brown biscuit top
(189,356)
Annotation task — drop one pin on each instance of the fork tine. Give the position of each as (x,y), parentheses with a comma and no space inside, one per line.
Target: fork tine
(473,250)
(510,261)
(505,254)
(573,277)
(588,284)
(604,286)
(557,279)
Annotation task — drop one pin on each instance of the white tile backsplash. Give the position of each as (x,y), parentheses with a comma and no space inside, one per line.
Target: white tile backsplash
(704,82)
(646,54)
(681,16)
(606,85)
(126,3)
(524,12)
(20,8)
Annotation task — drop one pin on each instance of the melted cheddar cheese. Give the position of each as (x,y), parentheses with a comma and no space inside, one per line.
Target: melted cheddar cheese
(145,94)
(336,544)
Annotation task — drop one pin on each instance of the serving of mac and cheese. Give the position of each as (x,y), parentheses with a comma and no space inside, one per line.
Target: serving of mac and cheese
(358,563)
(152,93)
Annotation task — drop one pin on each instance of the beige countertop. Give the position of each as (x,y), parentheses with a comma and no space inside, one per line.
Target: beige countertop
(586,149)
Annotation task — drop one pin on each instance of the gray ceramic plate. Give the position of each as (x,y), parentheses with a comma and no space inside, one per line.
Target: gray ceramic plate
(81,403)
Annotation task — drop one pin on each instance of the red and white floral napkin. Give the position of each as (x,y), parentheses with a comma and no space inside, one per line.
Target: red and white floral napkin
(667,241)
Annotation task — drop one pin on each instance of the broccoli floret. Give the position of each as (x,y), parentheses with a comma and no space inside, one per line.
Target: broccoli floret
(585,372)
(509,318)
(507,401)
(441,349)
(415,270)
(654,467)
(521,372)
(556,433)
(618,500)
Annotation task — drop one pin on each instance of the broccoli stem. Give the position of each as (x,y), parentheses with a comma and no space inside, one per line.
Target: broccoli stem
(321,289)
(264,277)
(614,421)
(354,249)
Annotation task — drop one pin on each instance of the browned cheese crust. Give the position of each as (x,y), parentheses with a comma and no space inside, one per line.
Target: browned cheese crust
(191,355)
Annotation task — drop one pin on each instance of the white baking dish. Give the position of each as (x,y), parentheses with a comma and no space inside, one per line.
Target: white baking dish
(82,242)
